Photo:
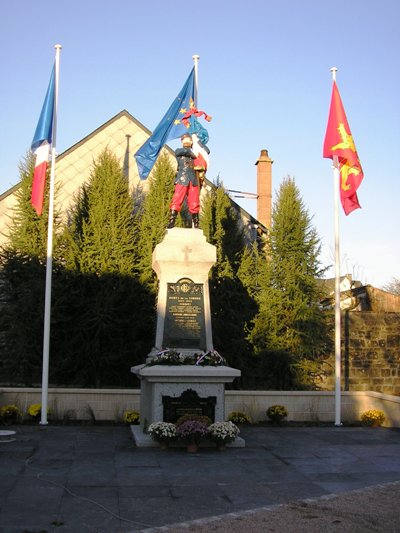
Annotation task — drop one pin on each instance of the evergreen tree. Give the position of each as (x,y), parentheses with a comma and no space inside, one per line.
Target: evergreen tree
(106,316)
(152,218)
(231,306)
(103,223)
(289,320)
(27,233)
(22,280)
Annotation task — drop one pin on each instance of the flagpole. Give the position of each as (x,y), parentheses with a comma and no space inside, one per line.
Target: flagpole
(196,63)
(336,186)
(49,260)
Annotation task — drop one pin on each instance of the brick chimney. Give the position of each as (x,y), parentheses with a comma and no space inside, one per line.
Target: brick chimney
(264,188)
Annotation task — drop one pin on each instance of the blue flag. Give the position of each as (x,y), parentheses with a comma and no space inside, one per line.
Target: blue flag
(44,128)
(170,127)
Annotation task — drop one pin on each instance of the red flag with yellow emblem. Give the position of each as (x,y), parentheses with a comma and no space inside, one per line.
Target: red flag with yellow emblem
(339,142)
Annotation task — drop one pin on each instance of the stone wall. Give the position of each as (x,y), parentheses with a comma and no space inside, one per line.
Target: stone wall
(110,404)
(370,353)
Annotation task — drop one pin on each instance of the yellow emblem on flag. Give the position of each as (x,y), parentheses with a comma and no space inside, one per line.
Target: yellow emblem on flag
(347,140)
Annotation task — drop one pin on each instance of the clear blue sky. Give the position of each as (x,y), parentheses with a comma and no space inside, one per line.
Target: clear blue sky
(264,76)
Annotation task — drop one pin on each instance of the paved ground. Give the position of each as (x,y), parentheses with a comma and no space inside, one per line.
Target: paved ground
(92,479)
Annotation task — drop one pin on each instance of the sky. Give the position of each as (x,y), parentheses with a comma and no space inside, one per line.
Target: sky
(264,76)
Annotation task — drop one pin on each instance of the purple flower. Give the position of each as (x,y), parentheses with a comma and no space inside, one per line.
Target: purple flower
(192,431)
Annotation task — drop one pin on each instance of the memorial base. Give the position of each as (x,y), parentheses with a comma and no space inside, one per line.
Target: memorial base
(164,390)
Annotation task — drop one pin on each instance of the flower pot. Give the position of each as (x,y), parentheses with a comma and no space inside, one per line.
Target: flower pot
(163,445)
(192,447)
(375,425)
(221,446)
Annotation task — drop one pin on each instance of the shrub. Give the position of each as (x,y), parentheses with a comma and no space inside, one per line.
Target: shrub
(373,417)
(276,413)
(237,417)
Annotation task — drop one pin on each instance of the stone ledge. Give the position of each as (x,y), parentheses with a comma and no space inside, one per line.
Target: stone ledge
(180,373)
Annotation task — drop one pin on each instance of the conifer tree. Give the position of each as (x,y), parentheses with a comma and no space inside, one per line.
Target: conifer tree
(108,320)
(22,281)
(152,218)
(289,321)
(103,222)
(27,232)
(231,306)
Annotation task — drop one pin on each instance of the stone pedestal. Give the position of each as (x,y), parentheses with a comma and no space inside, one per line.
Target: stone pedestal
(161,381)
(182,263)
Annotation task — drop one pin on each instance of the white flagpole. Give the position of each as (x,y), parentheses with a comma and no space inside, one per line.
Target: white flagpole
(196,77)
(336,185)
(49,260)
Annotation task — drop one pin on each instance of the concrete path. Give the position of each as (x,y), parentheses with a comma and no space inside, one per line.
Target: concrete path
(92,479)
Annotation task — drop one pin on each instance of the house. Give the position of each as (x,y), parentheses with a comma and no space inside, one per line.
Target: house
(354,296)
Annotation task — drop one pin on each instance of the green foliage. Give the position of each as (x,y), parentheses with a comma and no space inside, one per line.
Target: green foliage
(102,224)
(289,319)
(276,413)
(105,315)
(237,417)
(22,278)
(9,414)
(103,326)
(21,319)
(231,306)
(131,417)
(102,317)
(253,270)
(152,218)
(373,417)
(264,296)
(27,231)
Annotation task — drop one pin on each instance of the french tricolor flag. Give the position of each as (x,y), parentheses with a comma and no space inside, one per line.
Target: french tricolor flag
(41,145)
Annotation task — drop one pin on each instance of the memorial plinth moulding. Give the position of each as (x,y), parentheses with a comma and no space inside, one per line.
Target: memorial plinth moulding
(182,262)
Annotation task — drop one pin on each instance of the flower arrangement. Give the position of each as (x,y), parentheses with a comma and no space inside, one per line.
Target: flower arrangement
(223,432)
(373,417)
(35,409)
(170,357)
(210,358)
(162,431)
(9,414)
(131,417)
(237,417)
(276,413)
(192,431)
(198,418)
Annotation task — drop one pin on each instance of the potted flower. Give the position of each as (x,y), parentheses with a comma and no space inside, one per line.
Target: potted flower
(9,414)
(192,432)
(223,433)
(131,417)
(162,432)
(373,418)
(35,410)
(238,417)
(276,413)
